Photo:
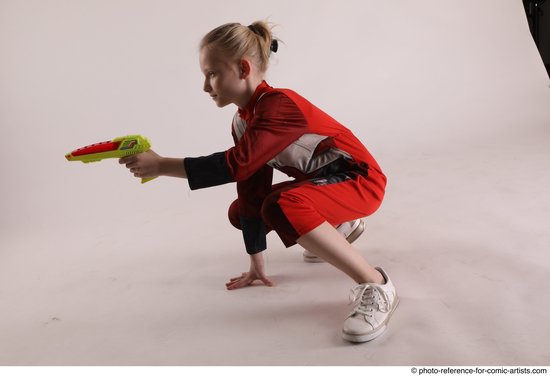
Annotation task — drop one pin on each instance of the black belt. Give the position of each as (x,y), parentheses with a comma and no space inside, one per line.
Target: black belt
(340,170)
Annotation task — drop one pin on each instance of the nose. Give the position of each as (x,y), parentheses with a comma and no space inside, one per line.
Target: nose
(206,87)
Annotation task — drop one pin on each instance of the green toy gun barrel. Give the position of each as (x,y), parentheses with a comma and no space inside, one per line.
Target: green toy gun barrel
(117,148)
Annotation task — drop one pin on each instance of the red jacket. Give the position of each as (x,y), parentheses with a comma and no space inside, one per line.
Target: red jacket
(280,129)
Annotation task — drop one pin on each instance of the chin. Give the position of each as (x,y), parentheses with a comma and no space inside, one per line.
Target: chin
(222,104)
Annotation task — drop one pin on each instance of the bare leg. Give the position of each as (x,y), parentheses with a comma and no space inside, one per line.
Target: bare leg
(324,241)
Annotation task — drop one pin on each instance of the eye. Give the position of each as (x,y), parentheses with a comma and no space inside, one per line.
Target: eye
(211,74)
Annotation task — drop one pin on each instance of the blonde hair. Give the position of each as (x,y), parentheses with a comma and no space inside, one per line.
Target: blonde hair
(237,41)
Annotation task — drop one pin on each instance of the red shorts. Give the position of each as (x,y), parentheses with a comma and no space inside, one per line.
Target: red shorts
(295,208)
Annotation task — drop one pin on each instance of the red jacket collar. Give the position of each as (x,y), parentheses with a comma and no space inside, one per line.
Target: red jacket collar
(247,113)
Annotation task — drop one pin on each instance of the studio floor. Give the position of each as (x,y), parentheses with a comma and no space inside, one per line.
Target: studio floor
(96,269)
(463,234)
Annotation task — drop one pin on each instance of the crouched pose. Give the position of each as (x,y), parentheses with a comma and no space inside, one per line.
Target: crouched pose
(336,182)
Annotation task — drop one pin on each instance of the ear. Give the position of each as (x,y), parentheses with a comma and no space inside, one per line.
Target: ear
(244,68)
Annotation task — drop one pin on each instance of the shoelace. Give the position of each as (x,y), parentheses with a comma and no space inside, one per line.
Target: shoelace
(366,302)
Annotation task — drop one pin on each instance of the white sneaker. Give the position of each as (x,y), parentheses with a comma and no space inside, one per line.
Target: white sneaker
(350,230)
(374,305)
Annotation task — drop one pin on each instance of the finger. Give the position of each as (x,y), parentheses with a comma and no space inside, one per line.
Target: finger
(126,160)
(267,282)
(239,277)
(238,284)
(233,286)
(239,280)
(232,281)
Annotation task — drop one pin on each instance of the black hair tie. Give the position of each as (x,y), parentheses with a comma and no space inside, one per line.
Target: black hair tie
(274,45)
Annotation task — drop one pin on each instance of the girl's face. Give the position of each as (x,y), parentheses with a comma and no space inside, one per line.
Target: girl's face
(223,79)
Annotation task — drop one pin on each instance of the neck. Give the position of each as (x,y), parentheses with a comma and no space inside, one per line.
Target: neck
(251,86)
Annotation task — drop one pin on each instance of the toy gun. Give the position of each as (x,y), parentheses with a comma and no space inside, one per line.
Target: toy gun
(118,148)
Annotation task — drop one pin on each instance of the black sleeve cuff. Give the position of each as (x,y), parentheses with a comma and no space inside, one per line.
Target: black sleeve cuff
(254,235)
(209,171)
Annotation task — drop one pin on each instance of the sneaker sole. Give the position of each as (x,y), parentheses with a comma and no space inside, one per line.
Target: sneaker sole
(351,238)
(369,336)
